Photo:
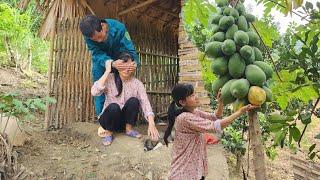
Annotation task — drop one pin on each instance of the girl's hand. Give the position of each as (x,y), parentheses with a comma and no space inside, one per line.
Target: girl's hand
(108,66)
(153,132)
(248,107)
(219,97)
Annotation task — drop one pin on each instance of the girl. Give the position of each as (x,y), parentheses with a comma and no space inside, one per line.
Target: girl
(124,97)
(189,159)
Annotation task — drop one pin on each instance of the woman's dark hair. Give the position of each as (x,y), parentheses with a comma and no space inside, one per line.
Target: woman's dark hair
(179,92)
(117,80)
(89,24)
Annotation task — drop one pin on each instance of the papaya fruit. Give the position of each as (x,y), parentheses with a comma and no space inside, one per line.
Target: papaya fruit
(230,32)
(228,47)
(241,38)
(268,94)
(226,95)
(255,75)
(218,83)
(219,66)
(242,23)
(225,22)
(222,3)
(246,51)
(213,49)
(218,36)
(236,66)
(241,9)
(240,88)
(251,59)
(257,54)
(227,11)
(234,13)
(249,17)
(239,103)
(267,69)
(254,39)
(256,95)
(215,18)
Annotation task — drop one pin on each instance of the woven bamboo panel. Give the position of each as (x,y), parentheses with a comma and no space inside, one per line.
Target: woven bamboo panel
(304,170)
(71,71)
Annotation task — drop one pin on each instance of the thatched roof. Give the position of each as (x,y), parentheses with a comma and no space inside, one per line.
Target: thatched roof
(162,13)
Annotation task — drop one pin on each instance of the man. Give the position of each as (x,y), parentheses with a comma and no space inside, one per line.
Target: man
(106,39)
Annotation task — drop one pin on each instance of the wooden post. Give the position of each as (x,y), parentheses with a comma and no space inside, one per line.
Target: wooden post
(46,119)
(257,146)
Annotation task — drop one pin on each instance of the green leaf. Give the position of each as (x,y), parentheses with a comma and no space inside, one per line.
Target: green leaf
(294,131)
(267,33)
(311,148)
(276,127)
(317,136)
(312,155)
(305,118)
(309,5)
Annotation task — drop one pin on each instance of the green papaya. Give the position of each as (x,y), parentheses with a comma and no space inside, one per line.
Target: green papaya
(239,103)
(234,13)
(268,93)
(222,3)
(254,39)
(246,51)
(225,22)
(218,36)
(241,38)
(213,49)
(240,88)
(218,83)
(219,66)
(214,28)
(241,9)
(265,67)
(251,59)
(255,75)
(228,47)
(226,95)
(242,23)
(230,32)
(236,66)
(257,54)
(227,11)
(250,17)
(215,18)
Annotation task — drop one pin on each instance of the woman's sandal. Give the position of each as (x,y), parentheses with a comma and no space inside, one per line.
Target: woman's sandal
(107,140)
(134,134)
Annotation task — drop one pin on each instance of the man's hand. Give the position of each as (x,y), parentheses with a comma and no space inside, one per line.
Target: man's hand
(120,65)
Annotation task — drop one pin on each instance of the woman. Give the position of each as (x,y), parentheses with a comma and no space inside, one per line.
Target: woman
(189,157)
(125,95)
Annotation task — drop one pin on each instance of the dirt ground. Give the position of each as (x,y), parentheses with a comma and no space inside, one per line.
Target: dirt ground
(76,152)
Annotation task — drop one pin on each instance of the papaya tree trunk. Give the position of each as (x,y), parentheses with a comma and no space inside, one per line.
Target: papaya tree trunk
(239,162)
(257,147)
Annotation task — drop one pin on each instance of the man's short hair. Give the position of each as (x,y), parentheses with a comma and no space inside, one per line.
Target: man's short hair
(89,24)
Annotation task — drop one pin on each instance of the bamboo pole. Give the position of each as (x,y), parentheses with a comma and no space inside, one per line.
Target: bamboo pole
(257,146)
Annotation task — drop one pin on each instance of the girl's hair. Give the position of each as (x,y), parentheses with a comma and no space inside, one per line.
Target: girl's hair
(179,92)
(117,80)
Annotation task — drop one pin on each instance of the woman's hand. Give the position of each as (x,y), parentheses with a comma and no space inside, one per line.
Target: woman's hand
(153,132)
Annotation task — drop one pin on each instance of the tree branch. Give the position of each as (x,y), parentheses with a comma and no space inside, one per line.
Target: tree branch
(268,52)
(305,127)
